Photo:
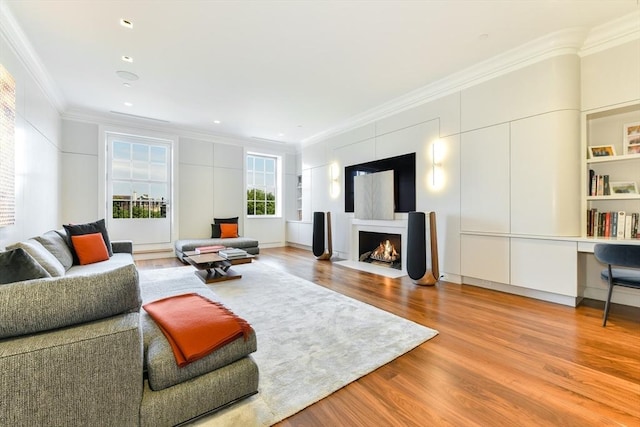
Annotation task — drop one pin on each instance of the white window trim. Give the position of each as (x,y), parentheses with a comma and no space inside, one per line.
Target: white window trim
(279,183)
(103,203)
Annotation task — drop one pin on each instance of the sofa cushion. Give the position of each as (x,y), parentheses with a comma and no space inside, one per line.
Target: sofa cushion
(45,258)
(46,304)
(88,228)
(17,265)
(90,248)
(215,231)
(116,261)
(162,369)
(54,242)
(160,362)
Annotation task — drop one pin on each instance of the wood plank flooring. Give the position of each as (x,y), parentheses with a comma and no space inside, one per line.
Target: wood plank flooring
(499,359)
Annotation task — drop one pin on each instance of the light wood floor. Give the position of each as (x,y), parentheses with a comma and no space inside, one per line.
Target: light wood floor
(499,359)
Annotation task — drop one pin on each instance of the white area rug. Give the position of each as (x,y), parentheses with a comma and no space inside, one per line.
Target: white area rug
(311,341)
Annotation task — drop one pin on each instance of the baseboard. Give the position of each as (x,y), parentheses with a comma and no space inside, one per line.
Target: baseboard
(153,254)
(525,292)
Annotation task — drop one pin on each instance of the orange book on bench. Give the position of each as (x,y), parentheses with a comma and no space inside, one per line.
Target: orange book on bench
(196,326)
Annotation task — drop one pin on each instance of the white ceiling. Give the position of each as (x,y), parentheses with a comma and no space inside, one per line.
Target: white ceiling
(278,70)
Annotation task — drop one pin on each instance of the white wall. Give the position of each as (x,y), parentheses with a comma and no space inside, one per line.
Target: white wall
(37,148)
(511,166)
(209,178)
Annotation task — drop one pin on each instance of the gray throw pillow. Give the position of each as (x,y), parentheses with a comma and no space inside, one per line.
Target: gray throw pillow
(42,255)
(17,265)
(55,243)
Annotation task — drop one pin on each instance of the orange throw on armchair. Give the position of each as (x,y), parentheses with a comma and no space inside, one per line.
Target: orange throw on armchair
(195,326)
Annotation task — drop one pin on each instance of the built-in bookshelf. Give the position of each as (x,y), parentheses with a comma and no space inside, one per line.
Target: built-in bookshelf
(611,172)
(299,199)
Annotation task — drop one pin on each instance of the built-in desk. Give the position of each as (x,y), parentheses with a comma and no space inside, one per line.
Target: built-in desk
(557,269)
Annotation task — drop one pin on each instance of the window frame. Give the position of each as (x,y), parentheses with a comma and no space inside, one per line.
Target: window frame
(251,185)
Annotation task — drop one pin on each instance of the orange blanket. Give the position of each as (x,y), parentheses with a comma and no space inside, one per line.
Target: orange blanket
(195,326)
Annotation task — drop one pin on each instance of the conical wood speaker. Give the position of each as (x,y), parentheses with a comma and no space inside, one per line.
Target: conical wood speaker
(318,247)
(417,249)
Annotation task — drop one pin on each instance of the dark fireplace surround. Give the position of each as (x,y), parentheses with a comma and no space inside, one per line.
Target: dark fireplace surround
(381,249)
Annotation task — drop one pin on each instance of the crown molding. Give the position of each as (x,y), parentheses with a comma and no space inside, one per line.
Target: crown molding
(562,42)
(613,33)
(22,48)
(161,126)
(576,41)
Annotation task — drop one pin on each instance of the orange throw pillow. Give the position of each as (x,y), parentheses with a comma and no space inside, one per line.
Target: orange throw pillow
(90,248)
(228,230)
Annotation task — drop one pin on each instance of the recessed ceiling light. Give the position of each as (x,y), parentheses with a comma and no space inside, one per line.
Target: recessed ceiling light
(126,58)
(126,84)
(281,134)
(127,75)
(126,23)
(216,122)
(128,104)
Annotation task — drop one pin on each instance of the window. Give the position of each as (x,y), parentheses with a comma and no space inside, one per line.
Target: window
(262,185)
(7,148)
(140,179)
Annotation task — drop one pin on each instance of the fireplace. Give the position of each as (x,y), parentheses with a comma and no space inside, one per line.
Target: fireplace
(381,249)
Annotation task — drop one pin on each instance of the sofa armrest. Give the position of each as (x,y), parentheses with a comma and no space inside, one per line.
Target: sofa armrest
(44,304)
(122,246)
(89,374)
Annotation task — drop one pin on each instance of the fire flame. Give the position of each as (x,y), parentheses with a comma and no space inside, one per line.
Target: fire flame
(385,252)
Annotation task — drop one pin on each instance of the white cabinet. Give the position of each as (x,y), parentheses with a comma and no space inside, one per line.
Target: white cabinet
(484,166)
(605,128)
(300,233)
(485,257)
(545,189)
(545,265)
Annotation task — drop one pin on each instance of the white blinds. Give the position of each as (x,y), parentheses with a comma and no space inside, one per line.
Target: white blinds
(7,148)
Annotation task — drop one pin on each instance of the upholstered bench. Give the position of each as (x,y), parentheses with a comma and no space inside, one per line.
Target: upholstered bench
(248,244)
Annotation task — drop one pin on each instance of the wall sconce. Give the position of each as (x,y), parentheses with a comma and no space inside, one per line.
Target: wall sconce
(438,151)
(334,185)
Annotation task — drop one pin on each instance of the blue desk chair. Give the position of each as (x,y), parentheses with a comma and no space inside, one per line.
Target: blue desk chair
(627,256)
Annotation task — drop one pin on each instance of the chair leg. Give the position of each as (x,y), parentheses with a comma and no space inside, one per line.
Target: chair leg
(606,304)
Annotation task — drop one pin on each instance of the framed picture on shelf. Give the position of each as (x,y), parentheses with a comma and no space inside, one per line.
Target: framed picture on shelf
(631,142)
(627,187)
(596,151)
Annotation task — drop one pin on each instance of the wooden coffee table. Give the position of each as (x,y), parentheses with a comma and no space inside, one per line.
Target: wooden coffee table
(213,268)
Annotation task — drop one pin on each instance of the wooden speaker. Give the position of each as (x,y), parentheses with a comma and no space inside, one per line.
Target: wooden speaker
(417,249)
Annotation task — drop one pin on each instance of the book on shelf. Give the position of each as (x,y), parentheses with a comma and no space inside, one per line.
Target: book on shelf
(599,185)
(233,253)
(615,224)
(209,249)
(622,219)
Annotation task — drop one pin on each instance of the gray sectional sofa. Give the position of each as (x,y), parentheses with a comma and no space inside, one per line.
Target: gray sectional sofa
(77,349)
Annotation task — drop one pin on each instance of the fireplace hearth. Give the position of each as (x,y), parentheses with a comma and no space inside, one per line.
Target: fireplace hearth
(380,248)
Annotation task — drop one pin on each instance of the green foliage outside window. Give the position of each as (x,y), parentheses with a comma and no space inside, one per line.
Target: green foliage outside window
(260,203)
